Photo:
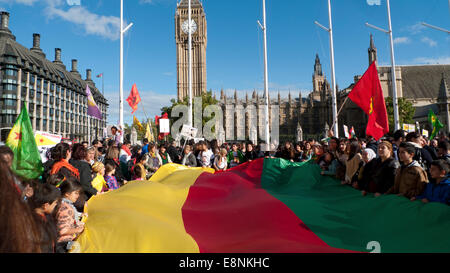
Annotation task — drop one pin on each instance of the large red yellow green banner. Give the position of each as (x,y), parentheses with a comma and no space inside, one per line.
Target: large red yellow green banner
(266,206)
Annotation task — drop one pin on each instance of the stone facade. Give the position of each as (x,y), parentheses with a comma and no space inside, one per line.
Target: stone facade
(55,97)
(299,117)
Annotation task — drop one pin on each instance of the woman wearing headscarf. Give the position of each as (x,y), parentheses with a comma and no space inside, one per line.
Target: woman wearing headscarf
(366,171)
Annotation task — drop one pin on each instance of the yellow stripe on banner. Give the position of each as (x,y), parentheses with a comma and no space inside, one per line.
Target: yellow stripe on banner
(142,216)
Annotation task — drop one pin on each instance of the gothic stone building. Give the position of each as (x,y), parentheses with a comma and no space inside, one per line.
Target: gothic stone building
(426,86)
(310,117)
(299,117)
(55,97)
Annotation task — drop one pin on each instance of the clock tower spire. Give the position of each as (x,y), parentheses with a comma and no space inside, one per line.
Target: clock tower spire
(199,42)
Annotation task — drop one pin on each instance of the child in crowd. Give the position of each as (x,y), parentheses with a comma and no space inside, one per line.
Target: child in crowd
(44,201)
(221,162)
(440,190)
(235,156)
(99,182)
(204,157)
(411,179)
(110,179)
(140,173)
(189,157)
(67,217)
(330,164)
(163,156)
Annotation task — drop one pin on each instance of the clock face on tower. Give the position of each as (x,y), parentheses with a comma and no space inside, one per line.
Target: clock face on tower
(185,26)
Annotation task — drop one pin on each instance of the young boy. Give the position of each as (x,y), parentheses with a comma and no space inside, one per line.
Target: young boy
(439,191)
(44,201)
(411,179)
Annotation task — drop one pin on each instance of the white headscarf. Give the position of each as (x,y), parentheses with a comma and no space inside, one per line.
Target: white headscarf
(370,154)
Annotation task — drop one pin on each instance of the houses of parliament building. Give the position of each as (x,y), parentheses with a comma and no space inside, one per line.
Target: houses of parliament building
(426,86)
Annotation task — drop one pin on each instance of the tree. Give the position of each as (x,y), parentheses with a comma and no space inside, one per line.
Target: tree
(406,112)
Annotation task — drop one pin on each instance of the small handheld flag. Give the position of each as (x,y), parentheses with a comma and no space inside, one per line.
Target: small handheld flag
(138,123)
(435,124)
(92,106)
(27,161)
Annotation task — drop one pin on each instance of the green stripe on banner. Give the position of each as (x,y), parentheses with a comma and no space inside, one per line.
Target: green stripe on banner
(344,219)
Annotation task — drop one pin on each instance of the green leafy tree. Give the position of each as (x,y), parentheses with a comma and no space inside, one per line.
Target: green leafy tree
(406,112)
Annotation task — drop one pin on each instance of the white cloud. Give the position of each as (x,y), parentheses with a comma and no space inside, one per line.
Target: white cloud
(416,28)
(374,2)
(93,24)
(402,40)
(429,41)
(24,2)
(428,60)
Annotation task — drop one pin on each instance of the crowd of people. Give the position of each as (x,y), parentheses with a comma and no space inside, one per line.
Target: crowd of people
(46,215)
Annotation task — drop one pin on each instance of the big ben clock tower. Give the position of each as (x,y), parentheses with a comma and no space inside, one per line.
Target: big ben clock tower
(199,41)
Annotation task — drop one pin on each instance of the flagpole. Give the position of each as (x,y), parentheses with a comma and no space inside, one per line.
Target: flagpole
(393,74)
(335,126)
(121,68)
(394,78)
(266,78)
(190,64)
(122,31)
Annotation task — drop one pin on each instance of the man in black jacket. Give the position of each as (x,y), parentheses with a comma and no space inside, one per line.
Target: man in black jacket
(173,153)
(422,156)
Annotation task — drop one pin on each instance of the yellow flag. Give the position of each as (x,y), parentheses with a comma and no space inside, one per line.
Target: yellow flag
(148,133)
(137,123)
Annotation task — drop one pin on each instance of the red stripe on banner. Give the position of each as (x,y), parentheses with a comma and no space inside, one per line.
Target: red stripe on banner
(229,212)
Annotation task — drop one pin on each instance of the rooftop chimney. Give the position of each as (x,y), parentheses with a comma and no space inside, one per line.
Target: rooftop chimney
(74,65)
(36,40)
(88,75)
(4,27)
(37,45)
(57,55)
(58,58)
(5,19)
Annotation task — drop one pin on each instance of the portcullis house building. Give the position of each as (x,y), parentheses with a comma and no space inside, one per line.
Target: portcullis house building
(55,97)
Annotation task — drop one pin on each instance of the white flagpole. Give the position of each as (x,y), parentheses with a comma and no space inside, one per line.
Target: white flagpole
(121,68)
(190,64)
(335,126)
(394,78)
(266,79)
(122,31)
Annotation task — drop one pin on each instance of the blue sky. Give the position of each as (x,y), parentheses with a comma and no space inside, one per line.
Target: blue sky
(89,33)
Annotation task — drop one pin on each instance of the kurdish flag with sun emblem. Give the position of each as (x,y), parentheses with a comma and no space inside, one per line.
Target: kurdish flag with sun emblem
(27,160)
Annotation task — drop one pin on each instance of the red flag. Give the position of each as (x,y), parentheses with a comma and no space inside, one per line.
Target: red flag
(157,118)
(100,75)
(134,98)
(368,95)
